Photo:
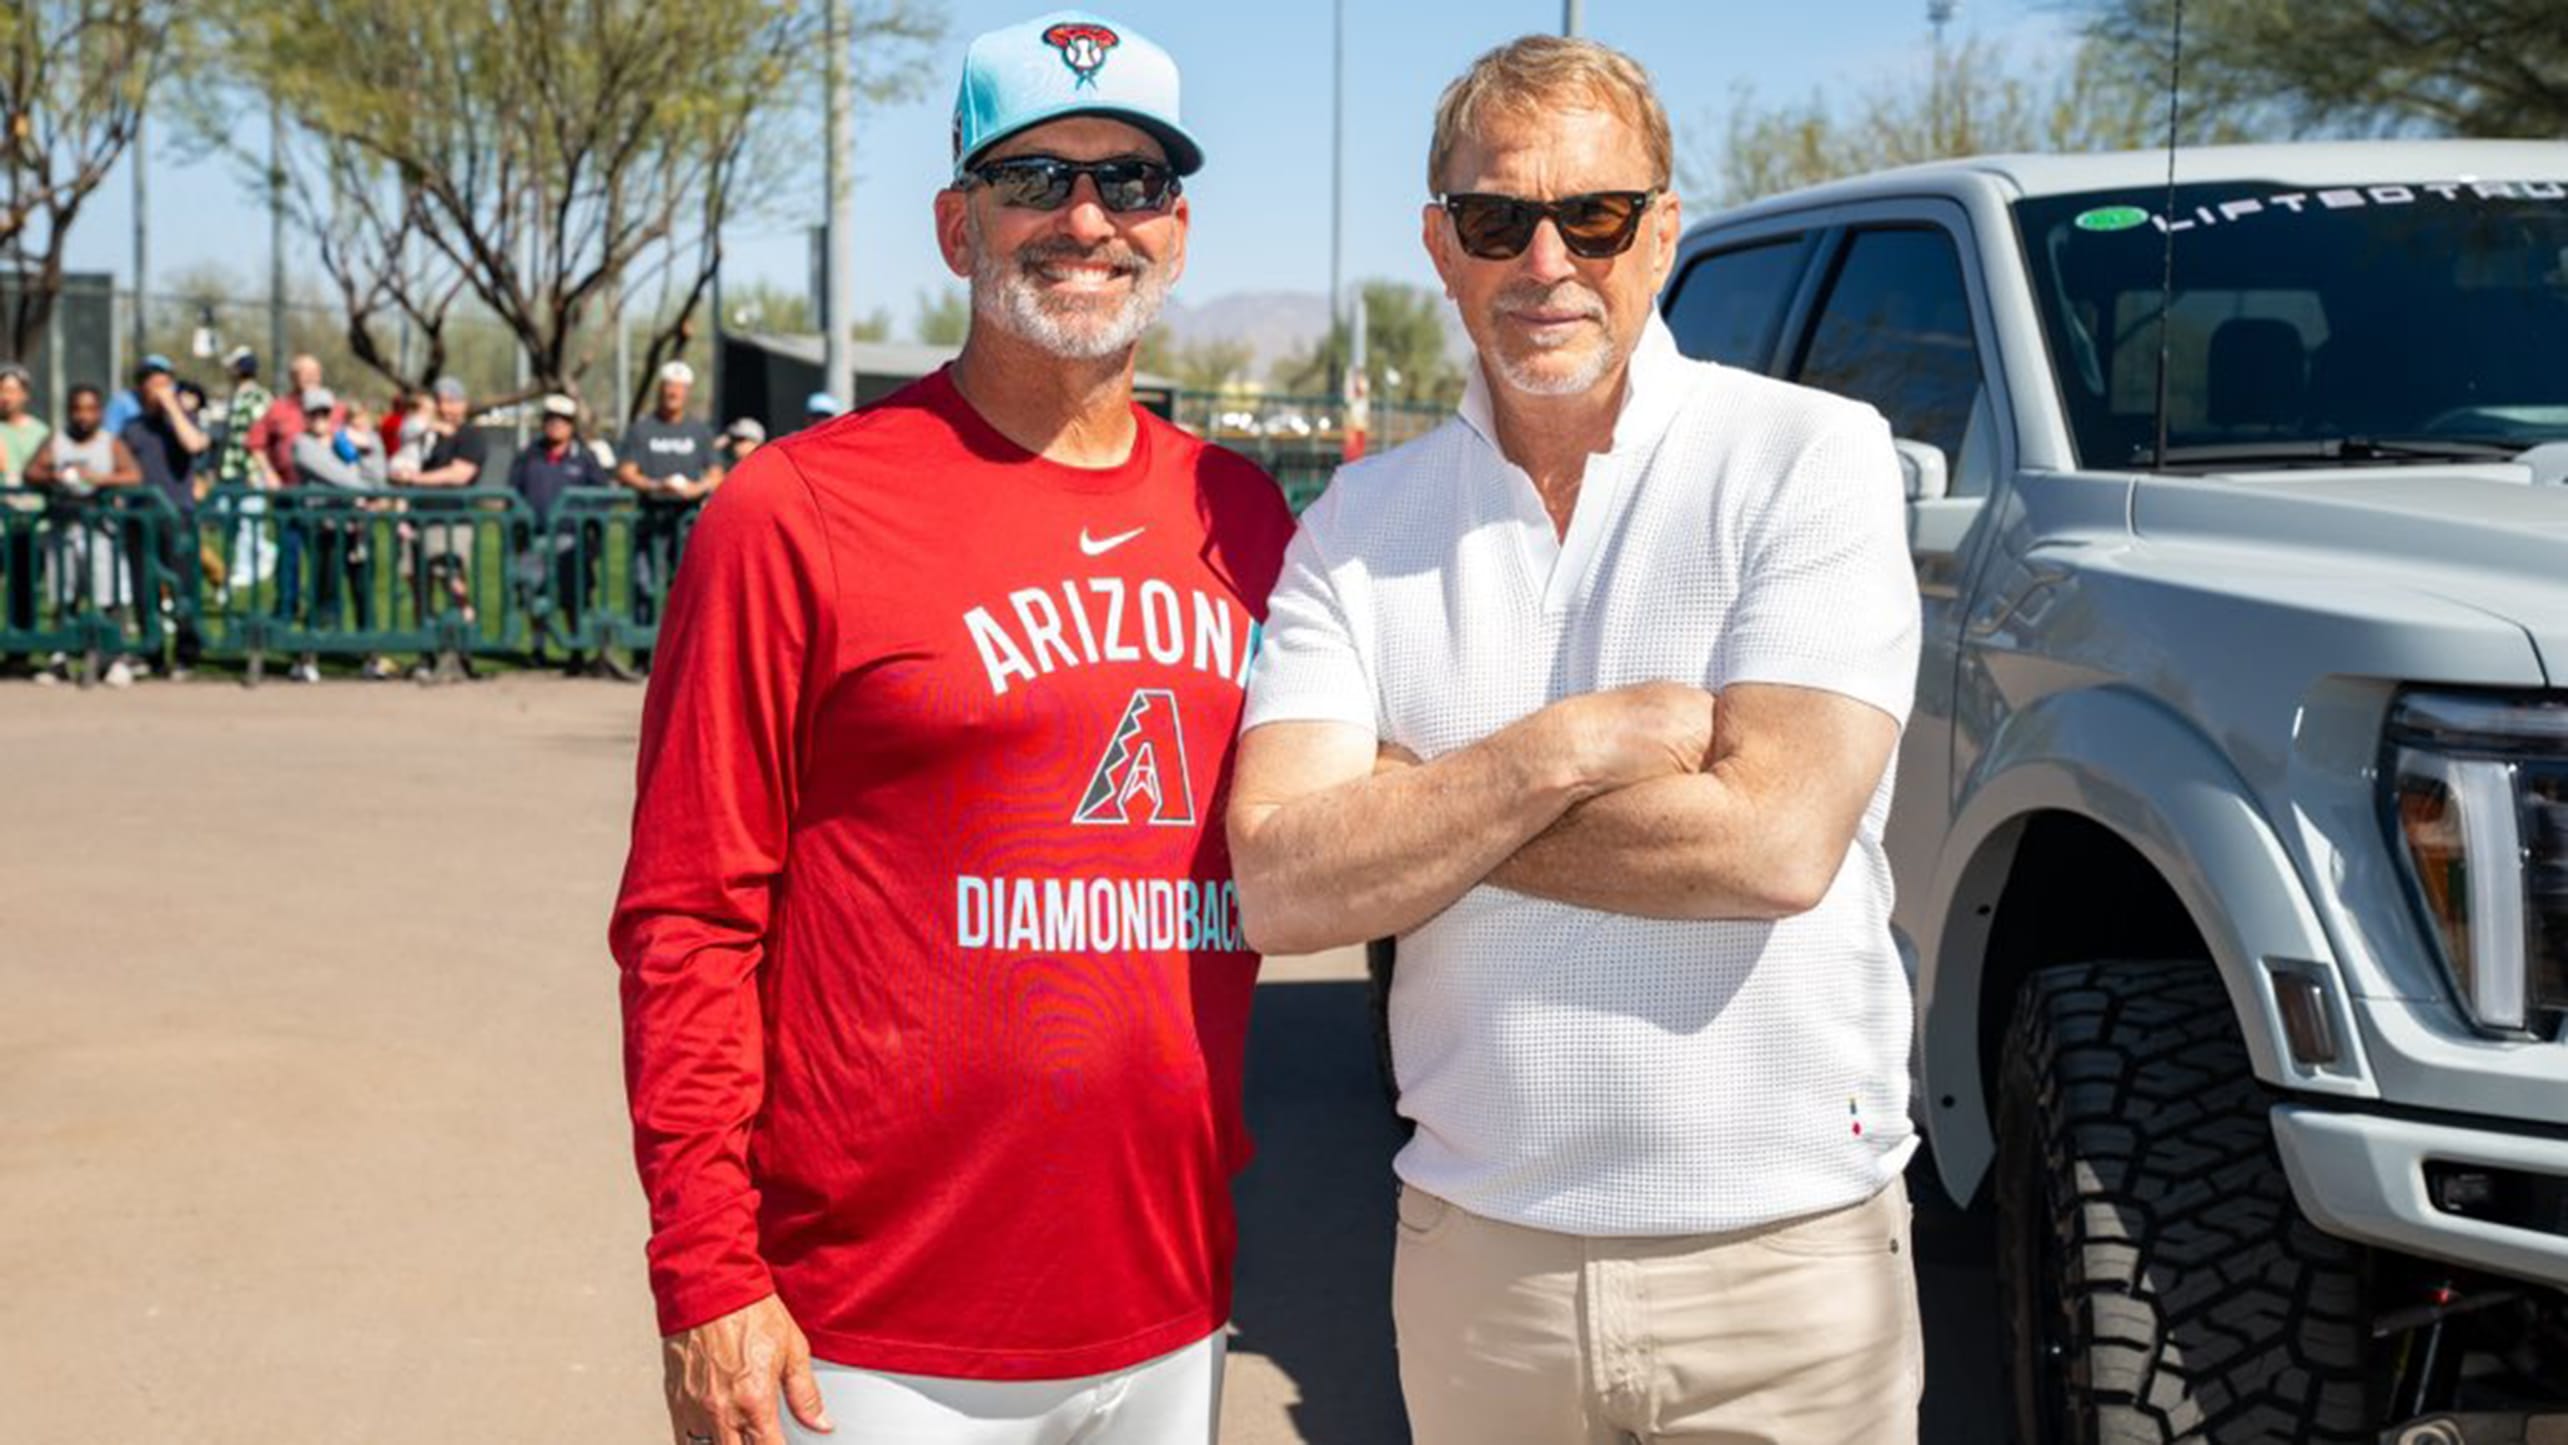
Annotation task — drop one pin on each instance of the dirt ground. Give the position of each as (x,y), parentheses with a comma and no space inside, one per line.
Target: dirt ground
(310,1117)
(311,1124)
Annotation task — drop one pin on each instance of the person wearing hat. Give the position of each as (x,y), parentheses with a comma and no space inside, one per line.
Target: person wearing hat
(238,463)
(127,404)
(557,463)
(744,435)
(239,460)
(339,449)
(166,442)
(672,461)
(820,406)
(935,999)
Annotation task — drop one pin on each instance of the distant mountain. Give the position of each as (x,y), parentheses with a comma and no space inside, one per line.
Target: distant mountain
(1275,324)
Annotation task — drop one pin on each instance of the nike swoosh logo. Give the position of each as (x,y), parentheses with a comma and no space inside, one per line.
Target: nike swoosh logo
(1100,546)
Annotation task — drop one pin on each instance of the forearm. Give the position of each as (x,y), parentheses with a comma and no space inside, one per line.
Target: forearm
(1379,855)
(1760,833)
(320,464)
(694,1075)
(1690,847)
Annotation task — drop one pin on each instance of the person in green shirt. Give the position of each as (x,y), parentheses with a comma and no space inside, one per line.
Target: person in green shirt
(237,462)
(21,434)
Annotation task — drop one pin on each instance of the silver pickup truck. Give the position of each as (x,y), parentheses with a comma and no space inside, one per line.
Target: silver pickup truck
(2232,825)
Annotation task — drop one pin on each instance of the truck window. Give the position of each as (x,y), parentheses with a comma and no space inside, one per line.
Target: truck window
(1895,331)
(2305,314)
(1726,306)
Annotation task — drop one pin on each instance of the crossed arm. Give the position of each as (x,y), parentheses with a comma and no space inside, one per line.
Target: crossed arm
(1604,801)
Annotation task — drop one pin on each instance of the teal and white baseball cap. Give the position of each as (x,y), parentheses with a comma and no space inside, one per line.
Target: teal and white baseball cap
(1069,62)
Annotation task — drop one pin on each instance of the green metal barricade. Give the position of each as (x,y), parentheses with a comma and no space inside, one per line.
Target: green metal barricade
(598,570)
(335,572)
(258,576)
(91,576)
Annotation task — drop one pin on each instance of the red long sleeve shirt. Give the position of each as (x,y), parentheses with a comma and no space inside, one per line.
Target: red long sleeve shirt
(935,1000)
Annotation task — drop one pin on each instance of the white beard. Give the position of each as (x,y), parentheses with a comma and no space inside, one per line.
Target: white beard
(1075,328)
(1520,373)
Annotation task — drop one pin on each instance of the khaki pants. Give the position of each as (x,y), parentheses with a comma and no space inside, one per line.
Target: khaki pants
(1803,1331)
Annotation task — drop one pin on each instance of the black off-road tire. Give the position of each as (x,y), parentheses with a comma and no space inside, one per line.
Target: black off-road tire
(2159,1283)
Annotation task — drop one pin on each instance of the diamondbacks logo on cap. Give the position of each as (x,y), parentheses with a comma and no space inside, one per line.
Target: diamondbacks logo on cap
(1083,47)
(1142,778)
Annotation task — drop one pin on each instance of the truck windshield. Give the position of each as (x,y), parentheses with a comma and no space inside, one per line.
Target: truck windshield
(2374,324)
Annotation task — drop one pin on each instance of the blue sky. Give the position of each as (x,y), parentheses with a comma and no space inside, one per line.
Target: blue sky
(1257,94)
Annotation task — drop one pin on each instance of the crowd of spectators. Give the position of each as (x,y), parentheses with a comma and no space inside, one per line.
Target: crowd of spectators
(385,469)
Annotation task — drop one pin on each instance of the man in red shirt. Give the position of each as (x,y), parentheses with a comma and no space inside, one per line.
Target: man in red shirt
(935,997)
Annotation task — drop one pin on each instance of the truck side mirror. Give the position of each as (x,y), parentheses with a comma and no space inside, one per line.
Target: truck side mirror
(2548,463)
(1924,468)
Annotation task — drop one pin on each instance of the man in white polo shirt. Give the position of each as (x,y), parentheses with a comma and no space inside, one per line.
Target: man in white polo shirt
(1589,697)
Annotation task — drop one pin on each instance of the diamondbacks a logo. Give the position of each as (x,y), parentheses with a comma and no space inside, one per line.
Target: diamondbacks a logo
(1083,47)
(1142,778)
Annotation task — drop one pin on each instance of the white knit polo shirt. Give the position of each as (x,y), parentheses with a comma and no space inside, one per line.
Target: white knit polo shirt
(1581,1071)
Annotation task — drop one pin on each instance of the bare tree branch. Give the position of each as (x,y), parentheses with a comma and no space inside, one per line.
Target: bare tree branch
(73,78)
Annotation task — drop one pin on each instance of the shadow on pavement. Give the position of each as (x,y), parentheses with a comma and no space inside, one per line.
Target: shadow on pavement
(1316,1212)
(1957,1294)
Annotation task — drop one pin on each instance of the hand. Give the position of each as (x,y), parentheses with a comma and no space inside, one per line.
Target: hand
(722,1376)
(1632,734)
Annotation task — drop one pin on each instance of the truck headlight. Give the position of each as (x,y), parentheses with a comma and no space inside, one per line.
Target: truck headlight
(2477,788)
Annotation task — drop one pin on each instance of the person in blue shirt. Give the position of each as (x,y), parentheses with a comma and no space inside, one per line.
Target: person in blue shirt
(129,404)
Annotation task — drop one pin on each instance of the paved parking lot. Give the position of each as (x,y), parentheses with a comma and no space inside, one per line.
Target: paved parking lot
(311,1123)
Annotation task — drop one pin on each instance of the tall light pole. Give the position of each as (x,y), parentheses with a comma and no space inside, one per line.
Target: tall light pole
(837,318)
(1573,18)
(276,238)
(1337,179)
(1939,13)
(142,253)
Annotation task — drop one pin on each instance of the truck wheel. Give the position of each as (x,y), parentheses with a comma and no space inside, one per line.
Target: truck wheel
(2159,1283)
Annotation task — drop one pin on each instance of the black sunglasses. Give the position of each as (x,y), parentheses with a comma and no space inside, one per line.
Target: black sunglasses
(1044,183)
(1594,225)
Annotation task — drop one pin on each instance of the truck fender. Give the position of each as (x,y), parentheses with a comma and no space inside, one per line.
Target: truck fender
(2124,762)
